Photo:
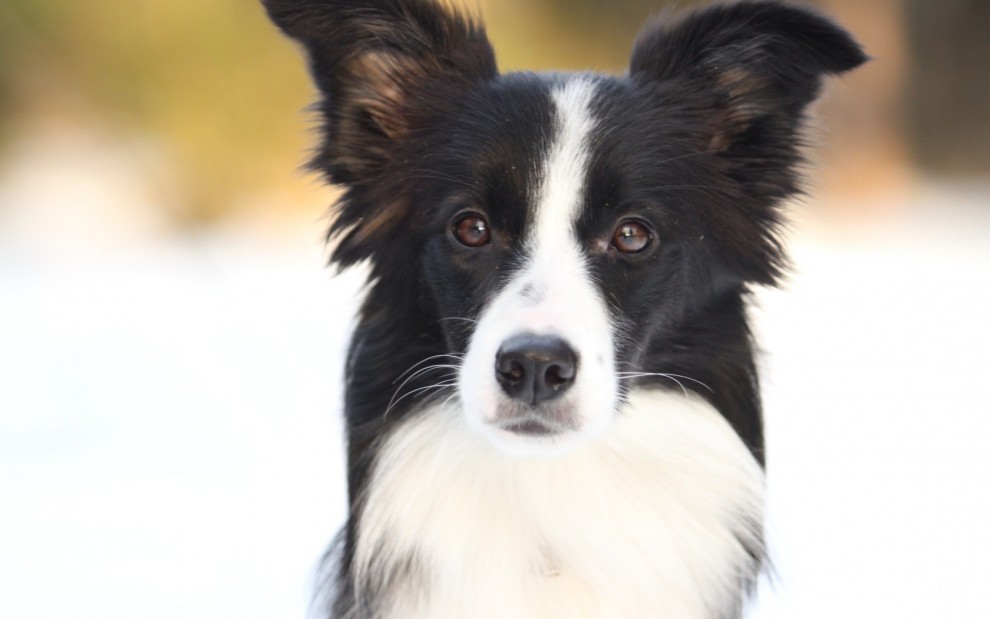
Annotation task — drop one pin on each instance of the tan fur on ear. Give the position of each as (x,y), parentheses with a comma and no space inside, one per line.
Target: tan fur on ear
(383,85)
(379,89)
(377,221)
(741,88)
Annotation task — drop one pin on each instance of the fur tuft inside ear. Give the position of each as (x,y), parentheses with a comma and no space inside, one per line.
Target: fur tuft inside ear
(758,59)
(373,61)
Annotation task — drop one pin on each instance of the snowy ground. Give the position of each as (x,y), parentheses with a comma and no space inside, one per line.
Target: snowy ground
(169,444)
(878,411)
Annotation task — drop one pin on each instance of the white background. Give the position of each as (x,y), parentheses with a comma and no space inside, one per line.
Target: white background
(170,444)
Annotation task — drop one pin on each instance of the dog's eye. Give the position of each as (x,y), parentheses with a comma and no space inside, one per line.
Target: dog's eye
(472,231)
(632,237)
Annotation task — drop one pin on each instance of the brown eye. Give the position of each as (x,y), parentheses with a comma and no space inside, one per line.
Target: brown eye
(631,237)
(472,231)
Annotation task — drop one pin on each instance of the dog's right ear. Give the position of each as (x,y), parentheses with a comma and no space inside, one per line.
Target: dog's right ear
(383,67)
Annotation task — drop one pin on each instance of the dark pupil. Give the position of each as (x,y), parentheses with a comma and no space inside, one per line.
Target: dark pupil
(472,231)
(631,237)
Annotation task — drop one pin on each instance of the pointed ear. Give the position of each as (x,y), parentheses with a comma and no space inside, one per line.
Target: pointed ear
(743,75)
(758,64)
(382,66)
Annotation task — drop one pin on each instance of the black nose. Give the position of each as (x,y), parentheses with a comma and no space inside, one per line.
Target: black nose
(535,368)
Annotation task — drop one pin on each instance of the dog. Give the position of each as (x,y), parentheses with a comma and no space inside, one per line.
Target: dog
(552,404)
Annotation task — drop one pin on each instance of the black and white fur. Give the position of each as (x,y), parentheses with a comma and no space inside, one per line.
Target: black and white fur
(633,486)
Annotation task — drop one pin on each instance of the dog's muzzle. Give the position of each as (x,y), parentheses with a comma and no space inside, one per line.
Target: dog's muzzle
(534,370)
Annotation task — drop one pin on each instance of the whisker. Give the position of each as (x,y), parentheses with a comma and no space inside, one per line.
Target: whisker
(679,384)
(449,382)
(673,377)
(449,398)
(398,389)
(459,357)
(430,368)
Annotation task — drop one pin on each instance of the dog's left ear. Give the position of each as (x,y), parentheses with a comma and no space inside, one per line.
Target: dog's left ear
(744,73)
(759,62)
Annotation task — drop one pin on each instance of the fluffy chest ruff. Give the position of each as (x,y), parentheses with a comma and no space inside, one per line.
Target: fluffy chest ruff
(659,518)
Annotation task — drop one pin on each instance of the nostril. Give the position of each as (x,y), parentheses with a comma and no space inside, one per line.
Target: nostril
(513,371)
(558,376)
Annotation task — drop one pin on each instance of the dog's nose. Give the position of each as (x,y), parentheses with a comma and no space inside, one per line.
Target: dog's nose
(535,368)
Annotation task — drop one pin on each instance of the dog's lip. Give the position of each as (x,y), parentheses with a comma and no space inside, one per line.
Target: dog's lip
(529,426)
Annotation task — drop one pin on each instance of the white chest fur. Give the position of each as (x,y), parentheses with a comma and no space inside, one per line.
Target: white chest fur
(651,520)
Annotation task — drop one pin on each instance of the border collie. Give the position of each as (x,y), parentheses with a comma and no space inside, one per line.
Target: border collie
(552,404)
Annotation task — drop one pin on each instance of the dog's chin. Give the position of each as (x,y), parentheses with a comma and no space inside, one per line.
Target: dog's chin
(535,434)
(533,445)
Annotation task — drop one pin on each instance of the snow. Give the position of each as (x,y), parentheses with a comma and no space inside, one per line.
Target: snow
(877,405)
(170,443)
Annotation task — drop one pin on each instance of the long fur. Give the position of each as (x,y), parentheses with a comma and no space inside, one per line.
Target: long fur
(646,498)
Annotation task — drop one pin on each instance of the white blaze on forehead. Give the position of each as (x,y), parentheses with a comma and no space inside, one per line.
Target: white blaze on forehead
(553,292)
(567,301)
(566,171)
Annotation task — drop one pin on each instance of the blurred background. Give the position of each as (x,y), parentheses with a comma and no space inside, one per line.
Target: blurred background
(170,342)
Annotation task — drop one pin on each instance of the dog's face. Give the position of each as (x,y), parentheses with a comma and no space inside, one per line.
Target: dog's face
(564,226)
(523,283)
(559,249)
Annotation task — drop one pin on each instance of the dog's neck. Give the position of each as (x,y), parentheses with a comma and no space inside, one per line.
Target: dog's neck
(659,517)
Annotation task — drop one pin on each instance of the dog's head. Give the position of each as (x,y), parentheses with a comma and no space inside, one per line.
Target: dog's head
(557,227)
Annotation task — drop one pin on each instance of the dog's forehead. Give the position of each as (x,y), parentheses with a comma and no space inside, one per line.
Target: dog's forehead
(531,129)
(561,148)
(564,168)
(520,112)
(493,151)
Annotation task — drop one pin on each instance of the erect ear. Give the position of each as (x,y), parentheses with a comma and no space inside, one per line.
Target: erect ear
(382,66)
(760,62)
(744,73)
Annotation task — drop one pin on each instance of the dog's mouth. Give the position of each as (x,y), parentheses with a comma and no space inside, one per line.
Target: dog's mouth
(533,426)
(529,427)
